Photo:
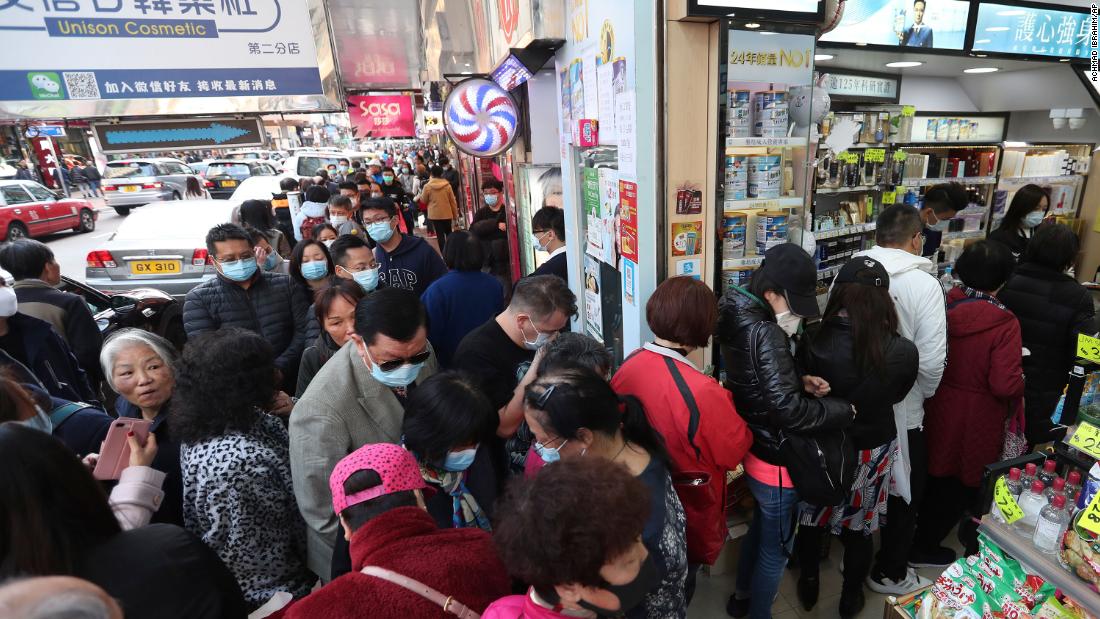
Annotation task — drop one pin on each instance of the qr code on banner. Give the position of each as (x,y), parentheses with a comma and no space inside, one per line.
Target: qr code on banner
(81,85)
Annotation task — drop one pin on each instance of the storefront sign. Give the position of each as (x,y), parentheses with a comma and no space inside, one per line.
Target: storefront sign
(861,86)
(53,131)
(433,121)
(789,10)
(1013,29)
(45,154)
(778,58)
(157,135)
(371,61)
(903,23)
(382,116)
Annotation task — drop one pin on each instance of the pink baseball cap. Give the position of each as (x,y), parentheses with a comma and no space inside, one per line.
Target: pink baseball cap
(396,466)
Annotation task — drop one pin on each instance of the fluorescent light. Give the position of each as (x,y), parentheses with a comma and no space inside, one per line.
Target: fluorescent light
(467,64)
(767,34)
(1013,13)
(1063,60)
(904,64)
(753,25)
(467,73)
(997,29)
(981,70)
(820,57)
(1015,144)
(980,41)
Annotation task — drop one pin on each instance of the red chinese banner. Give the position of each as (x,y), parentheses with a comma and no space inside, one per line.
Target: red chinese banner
(382,116)
(46,156)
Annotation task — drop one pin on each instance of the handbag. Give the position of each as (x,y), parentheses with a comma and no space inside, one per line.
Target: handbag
(822,466)
(1015,443)
(447,602)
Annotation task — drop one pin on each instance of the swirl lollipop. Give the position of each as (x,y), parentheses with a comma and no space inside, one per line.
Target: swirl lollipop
(482,117)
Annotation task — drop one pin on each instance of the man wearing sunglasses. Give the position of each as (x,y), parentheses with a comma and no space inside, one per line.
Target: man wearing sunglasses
(357,398)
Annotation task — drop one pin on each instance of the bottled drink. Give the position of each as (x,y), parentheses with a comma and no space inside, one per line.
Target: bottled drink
(1049,472)
(1032,502)
(947,280)
(1012,481)
(1051,525)
(1029,475)
(1073,483)
(1057,488)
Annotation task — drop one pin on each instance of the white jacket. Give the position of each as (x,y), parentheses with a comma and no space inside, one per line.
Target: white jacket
(922,319)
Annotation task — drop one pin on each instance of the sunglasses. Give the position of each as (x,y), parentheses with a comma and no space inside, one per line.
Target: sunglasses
(418,358)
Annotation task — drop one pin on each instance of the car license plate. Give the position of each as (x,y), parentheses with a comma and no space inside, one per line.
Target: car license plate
(130,188)
(155,267)
(229,183)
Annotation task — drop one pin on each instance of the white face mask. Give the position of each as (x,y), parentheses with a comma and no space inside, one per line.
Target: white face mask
(788,322)
(337,220)
(9,304)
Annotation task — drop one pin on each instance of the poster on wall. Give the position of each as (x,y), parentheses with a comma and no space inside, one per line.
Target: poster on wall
(779,59)
(609,211)
(1012,29)
(590,199)
(593,309)
(687,238)
(938,24)
(628,221)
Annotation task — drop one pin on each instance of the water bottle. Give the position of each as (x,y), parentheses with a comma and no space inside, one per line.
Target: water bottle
(1012,481)
(1051,525)
(1049,472)
(947,280)
(1032,502)
(1056,489)
(1029,476)
(1073,483)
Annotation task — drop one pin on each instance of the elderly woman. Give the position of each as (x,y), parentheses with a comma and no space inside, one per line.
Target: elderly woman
(141,367)
(334,308)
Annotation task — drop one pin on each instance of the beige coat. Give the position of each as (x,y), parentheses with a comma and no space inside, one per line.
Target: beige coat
(440,199)
(343,409)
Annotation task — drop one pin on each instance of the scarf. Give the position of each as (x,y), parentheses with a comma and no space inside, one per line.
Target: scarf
(466,512)
(981,296)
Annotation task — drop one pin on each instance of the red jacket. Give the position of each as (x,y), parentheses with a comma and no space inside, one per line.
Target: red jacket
(722,438)
(983,383)
(458,562)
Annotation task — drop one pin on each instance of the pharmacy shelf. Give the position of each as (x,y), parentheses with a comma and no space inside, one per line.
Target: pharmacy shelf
(970,234)
(767,142)
(1011,541)
(748,261)
(1023,180)
(762,203)
(856,189)
(965,180)
(854,229)
(829,272)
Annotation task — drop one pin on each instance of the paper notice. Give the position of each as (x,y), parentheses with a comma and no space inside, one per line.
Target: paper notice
(605,74)
(625,127)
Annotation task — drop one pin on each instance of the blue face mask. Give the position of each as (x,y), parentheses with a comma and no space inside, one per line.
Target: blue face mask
(41,422)
(273,259)
(239,270)
(460,460)
(549,455)
(400,378)
(380,231)
(315,270)
(491,199)
(367,279)
(1033,219)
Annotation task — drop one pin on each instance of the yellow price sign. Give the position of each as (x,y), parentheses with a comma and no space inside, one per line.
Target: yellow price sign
(908,110)
(1010,509)
(900,155)
(1088,347)
(889,197)
(874,155)
(1090,516)
(1086,439)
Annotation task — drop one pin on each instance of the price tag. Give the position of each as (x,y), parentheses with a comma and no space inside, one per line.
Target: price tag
(874,155)
(908,110)
(889,197)
(1090,516)
(1088,347)
(900,155)
(850,157)
(1010,509)
(1087,439)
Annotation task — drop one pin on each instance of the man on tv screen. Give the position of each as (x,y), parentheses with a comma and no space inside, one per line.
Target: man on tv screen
(919,34)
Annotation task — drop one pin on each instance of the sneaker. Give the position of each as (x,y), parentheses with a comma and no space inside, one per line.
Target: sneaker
(737,608)
(912,582)
(938,557)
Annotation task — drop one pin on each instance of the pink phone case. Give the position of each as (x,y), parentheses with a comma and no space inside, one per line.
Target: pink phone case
(115,454)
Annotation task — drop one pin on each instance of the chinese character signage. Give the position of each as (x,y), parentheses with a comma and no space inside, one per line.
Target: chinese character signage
(931,25)
(113,50)
(862,86)
(382,116)
(1010,29)
(779,58)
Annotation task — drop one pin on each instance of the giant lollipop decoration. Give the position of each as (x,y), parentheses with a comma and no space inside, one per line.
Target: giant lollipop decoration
(481,117)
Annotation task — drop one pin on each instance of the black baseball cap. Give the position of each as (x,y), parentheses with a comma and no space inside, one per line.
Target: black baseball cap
(865,271)
(793,270)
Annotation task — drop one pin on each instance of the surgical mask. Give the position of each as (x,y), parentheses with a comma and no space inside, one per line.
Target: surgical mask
(9,303)
(788,322)
(367,279)
(492,199)
(337,220)
(380,231)
(631,594)
(547,454)
(376,194)
(940,225)
(239,270)
(41,421)
(314,270)
(386,178)
(328,243)
(404,170)
(273,259)
(540,339)
(1033,219)
(400,378)
(459,460)
(539,246)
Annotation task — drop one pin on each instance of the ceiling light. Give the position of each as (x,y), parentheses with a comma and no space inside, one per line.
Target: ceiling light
(467,73)
(467,64)
(766,34)
(997,29)
(861,45)
(1063,60)
(981,41)
(1013,13)
(753,25)
(981,70)
(820,57)
(1009,144)
(905,64)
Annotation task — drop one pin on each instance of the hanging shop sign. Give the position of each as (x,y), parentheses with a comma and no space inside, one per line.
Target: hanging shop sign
(161,135)
(372,61)
(903,23)
(777,58)
(1014,29)
(433,121)
(787,10)
(53,131)
(382,116)
(241,55)
(481,117)
(844,86)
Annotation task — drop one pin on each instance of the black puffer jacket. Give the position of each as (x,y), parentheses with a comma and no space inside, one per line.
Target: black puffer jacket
(766,385)
(274,306)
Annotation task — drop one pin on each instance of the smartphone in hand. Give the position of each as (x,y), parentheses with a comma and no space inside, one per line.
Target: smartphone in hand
(115,454)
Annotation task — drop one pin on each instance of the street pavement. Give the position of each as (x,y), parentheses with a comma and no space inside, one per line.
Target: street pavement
(71,248)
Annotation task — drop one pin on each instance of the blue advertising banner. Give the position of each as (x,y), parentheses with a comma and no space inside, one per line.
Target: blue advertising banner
(1011,29)
(903,23)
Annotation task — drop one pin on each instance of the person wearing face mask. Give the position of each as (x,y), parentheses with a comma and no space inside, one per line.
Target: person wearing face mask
(548,234)
(574,414)
(405,260)
(243,295)
(394,190)
(463,299)
(354,261)
(755,325)
(311,267)
(374,170)
(340,214)
(407,179)
(576,565)
(490,227)
(501,353)
(32,346)
(379,494)
(334,312)
(1028,209)
(442,206)
(355,399)
(312,213)
(922,319)
(941,204)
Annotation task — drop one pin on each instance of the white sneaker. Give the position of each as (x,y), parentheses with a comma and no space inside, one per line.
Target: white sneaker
(912,582)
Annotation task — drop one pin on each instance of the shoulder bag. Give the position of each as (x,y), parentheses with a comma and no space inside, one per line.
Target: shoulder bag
(446,602)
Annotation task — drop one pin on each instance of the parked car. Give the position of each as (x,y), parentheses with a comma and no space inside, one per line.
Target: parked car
(305,163)
(130,183)
(254,154)
(142,308)
(199,167)
(257,188)
(223,176)
(29,209)
(159,247)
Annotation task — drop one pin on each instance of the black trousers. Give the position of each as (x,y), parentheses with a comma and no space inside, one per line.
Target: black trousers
(442,228)
(896,536)
(947,502)
(858,549)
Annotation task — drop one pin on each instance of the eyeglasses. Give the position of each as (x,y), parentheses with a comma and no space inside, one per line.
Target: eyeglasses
(350,270)
(393,364)
(245,256)
(377,220)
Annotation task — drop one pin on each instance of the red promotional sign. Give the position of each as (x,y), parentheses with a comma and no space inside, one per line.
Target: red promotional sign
(382,116)
(367,61)
(628,220)
(46,155)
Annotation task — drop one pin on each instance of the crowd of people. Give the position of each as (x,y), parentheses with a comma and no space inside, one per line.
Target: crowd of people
(360,422)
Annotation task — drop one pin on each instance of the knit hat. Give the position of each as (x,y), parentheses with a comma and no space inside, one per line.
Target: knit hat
(397,468)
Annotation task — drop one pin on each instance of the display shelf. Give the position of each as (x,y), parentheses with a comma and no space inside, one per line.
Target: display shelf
(844,231)
(856,189)
(786,142)
(969,234)
(762,203)
(1023,180)
(965,180)
(747,261)
(829,272)
(1046,566)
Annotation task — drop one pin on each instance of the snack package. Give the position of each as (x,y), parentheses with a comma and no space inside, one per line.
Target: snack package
(1081,553)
